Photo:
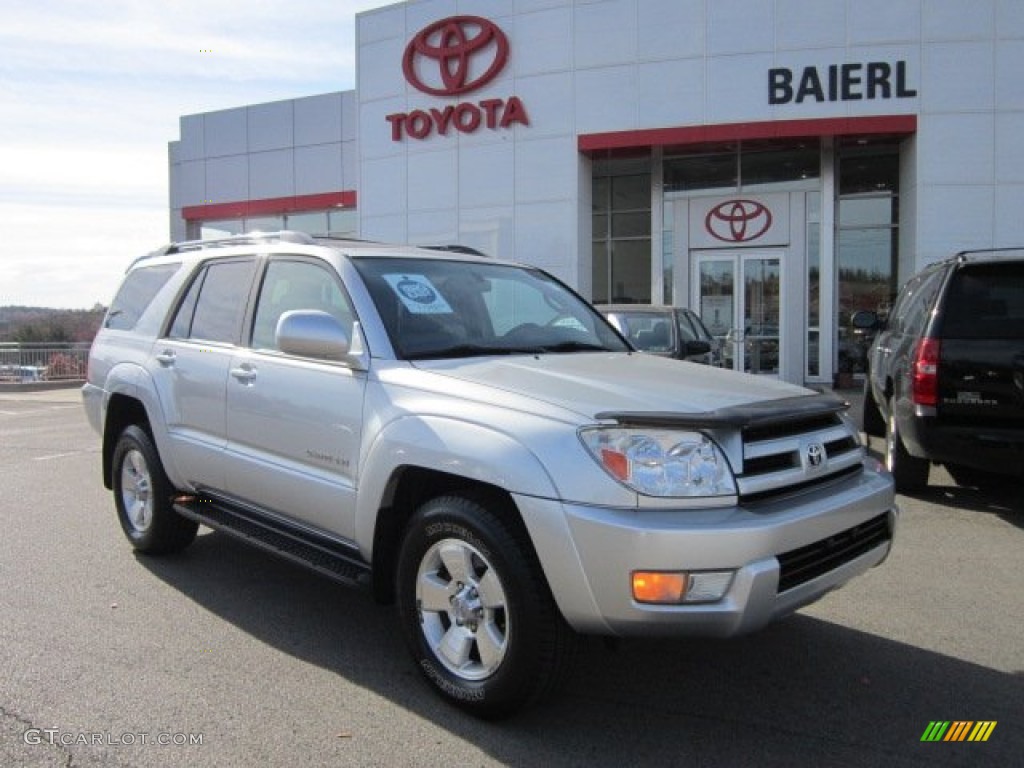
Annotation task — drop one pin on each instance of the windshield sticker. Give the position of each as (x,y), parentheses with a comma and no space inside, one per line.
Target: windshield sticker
(418,294)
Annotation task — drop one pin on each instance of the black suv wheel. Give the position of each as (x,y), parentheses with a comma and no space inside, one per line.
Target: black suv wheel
(909,473)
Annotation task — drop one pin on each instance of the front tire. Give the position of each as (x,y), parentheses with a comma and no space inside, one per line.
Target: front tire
(477,613)
(143,497)
(909,473)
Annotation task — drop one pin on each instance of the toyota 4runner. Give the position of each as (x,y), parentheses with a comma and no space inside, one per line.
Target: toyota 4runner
(469,439)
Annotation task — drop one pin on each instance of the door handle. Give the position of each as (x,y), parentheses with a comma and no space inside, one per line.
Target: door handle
(166,358)
(244,373)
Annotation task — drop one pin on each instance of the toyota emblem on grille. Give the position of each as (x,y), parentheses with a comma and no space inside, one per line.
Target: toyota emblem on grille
(738,221)
(815,455)
(449,47)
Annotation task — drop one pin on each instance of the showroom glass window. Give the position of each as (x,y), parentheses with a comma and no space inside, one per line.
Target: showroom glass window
(336,222)
(621,233)
(867,241)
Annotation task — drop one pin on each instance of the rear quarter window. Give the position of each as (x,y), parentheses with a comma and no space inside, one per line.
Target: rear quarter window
(138,290)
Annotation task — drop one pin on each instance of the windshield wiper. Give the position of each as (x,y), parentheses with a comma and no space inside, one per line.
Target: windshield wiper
(481,350)
(574,346)
(468,350)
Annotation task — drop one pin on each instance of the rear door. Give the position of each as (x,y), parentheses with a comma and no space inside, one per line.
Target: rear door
(190,367)
(981,378)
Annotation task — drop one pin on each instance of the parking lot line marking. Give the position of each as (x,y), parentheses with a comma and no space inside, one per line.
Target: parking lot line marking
(56,456)
(36,411)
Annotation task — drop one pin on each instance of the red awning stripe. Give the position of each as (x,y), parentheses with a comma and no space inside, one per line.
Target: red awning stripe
(270,206)
(777,129)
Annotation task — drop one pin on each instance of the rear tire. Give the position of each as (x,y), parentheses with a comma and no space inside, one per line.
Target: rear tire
(909,473)
(476,611)
(143,497)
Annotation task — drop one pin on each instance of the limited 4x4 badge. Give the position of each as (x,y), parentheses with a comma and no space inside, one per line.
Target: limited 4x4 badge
(970,398)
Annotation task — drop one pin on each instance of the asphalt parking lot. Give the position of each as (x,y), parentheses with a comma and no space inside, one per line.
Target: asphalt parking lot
(234,658)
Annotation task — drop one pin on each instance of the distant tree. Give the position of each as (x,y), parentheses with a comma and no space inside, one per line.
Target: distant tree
(48,332)
(56,326)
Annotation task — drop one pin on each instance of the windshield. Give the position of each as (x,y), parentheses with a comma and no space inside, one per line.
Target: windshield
(438,308)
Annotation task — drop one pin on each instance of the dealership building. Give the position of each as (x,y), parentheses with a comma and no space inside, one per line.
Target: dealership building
(775,165)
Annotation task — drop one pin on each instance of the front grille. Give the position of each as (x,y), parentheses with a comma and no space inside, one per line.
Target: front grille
(790,427)
(801,565)
(797,455)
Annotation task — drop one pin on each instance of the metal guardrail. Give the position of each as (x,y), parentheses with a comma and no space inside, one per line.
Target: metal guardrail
(28,363)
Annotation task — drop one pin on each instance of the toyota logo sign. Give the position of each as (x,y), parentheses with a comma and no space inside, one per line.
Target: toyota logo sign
(440,59)
(448,58)
(738,221)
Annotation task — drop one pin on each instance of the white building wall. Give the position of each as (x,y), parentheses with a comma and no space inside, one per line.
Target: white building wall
(594,66)
(510,192)
(615,65)
(276,150)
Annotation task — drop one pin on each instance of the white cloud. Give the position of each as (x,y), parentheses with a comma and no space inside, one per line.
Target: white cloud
(90,95)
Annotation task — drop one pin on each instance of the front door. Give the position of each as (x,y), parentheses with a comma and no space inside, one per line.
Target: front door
(739,296)
(294,423)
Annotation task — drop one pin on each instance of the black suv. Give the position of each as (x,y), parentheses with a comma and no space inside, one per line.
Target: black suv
(946,372)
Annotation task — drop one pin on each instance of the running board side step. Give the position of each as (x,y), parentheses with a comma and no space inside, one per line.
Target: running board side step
(322,555)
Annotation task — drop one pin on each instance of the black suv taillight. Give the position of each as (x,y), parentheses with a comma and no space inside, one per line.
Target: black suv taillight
(924,372)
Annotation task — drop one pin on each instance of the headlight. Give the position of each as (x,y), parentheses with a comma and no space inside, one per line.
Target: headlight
(662,463)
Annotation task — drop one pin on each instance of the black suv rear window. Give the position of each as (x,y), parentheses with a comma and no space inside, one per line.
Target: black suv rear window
(986,301)
(139,288)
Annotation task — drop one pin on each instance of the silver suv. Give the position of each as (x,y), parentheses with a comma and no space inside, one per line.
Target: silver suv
(471,440)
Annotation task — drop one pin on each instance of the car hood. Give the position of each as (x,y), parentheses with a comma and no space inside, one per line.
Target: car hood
(597,383)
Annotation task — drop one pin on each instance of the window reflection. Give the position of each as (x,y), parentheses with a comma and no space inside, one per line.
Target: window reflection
(867,244)
(335,222)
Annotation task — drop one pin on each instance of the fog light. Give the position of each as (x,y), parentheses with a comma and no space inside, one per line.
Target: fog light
(708,587)
(679,587)
(658,587)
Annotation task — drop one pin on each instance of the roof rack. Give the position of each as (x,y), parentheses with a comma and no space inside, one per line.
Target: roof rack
(455,248)
(247,238)
(344,239)
(986,254)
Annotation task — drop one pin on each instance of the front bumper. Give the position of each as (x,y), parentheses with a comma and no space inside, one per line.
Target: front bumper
(590,570)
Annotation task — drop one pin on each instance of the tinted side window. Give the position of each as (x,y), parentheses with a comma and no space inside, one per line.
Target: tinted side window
(139,288)
(290,285)
(218,295)
(922,303)
(910,312)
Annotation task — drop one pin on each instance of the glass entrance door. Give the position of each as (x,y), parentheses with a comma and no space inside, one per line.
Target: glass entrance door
(739,296)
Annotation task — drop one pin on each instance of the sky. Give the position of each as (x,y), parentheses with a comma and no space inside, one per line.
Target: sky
(90,96)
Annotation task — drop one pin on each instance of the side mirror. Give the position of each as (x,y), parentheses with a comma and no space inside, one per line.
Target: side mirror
(865,320)
(697,347)
(316,334)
